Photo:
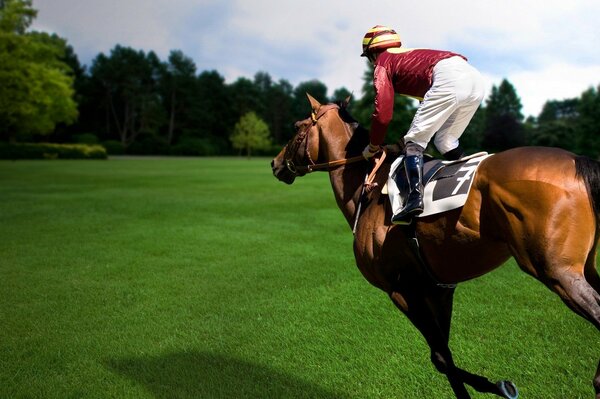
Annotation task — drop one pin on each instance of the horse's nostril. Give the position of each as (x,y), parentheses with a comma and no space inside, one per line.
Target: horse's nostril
(272,164)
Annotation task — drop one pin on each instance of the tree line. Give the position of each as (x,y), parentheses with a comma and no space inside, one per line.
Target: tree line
(131,101)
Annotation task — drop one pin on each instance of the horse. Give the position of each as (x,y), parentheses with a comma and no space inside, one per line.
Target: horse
(539,205)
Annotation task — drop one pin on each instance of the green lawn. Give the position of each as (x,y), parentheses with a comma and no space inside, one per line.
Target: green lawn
(207,278)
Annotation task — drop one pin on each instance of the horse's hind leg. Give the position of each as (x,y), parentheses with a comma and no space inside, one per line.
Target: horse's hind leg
(578,294)
(567,270)
(567,266)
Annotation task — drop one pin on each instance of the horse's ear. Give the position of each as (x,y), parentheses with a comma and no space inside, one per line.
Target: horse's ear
(314,104)
(347,101)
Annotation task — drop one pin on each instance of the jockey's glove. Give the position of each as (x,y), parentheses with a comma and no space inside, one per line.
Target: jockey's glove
(370,150)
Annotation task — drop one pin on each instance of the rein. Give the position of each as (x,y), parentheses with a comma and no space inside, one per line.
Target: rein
(302,137)
(332,164)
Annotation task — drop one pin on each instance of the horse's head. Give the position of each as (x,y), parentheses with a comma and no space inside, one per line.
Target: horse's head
(309,145)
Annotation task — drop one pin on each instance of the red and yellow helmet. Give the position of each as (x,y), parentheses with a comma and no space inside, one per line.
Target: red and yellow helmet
(379,38)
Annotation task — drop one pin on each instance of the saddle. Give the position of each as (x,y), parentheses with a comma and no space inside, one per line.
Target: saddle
(446,183)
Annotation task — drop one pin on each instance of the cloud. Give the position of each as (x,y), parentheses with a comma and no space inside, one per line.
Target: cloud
(551,43)
(93,27)
(553,82)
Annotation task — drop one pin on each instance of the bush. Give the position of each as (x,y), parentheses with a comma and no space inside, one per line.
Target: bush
(114,147)
(190,146)
(85,138)
(51,151)
(148,145)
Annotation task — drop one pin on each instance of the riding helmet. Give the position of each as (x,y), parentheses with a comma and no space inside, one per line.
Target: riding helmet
(379,38)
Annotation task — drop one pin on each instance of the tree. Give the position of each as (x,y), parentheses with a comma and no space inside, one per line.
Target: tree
(274,105)
(588,124)
(300,106)
(556,125)
(36,85)
(554,110)
(503,126)
(250,133)
(245,97)
(16,15)
(179,86)
(129,80)
(212,118)
(340,94)
(472,137)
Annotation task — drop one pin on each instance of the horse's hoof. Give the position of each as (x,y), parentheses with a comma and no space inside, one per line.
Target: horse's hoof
(508,389)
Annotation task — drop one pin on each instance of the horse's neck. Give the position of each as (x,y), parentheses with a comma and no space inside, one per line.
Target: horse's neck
(346,180)
(347,184)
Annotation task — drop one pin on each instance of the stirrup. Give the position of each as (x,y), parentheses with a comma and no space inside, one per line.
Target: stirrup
(402,222)
(406,216)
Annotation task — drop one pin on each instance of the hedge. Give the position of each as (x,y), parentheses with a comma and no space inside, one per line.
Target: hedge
(51,151)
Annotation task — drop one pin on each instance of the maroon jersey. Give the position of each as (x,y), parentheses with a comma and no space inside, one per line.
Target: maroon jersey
(403,71)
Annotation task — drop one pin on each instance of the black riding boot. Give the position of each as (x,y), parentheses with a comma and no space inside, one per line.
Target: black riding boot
(413,164)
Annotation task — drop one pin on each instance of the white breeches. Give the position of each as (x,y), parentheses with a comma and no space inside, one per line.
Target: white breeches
(448,106)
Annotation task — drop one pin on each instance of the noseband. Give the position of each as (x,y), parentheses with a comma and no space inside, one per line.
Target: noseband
(294,146)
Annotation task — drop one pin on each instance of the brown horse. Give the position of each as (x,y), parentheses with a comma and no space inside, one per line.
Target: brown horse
(538,205)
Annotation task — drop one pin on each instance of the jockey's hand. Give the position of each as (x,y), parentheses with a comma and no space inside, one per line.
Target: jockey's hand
(370,150)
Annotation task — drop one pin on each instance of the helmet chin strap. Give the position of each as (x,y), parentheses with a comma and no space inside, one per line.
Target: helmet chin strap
(367,53)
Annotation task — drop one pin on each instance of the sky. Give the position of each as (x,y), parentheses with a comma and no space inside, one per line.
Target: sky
(548,49)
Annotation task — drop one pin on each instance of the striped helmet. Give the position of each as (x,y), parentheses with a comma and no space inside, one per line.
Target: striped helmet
(379,38)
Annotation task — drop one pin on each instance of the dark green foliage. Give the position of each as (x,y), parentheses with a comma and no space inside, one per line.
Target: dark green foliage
(503,119)
(300,107)
(191,146)
(85,138)
(113,147)
(147,145)
(126,82)
(588,123)
(472,137)
(179,89)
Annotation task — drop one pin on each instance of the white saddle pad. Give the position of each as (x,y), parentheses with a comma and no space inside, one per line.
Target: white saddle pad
(447,190)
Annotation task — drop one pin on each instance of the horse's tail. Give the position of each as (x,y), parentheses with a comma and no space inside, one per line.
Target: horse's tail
(589,170)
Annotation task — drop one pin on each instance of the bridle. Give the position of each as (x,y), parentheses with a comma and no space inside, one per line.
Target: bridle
(302,138)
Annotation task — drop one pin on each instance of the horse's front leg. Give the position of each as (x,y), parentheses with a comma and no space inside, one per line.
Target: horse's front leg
(431,314)
(430,309)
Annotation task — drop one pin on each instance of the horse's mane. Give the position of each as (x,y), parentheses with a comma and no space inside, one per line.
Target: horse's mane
(360,135)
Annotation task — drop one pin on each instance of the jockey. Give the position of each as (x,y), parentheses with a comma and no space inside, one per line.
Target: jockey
(450,91)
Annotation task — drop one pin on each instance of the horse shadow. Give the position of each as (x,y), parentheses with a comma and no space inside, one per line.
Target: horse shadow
(207,375)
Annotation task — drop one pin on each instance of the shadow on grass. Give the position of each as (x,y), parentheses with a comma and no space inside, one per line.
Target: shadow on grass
(207,375)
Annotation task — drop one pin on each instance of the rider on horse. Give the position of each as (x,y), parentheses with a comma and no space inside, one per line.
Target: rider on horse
(450,91)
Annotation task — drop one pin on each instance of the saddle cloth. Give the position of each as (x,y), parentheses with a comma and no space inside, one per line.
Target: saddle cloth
(447,183)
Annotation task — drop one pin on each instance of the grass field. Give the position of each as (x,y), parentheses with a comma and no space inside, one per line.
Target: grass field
(207,278)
